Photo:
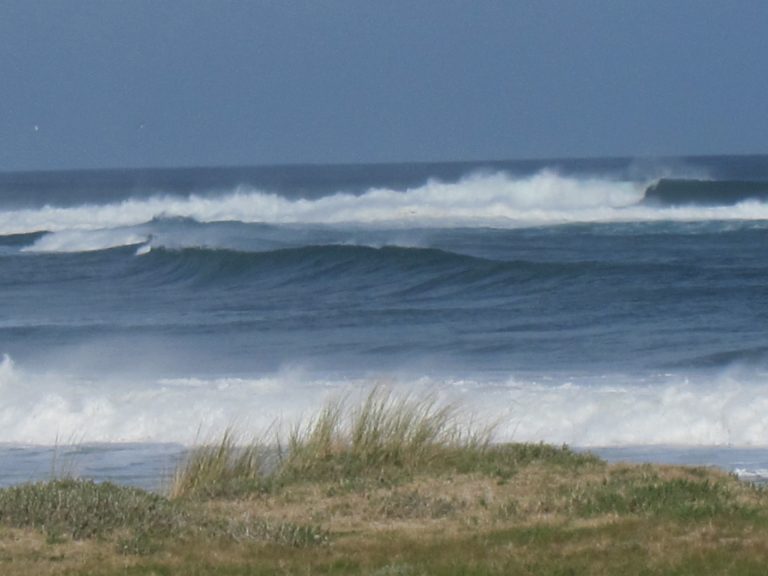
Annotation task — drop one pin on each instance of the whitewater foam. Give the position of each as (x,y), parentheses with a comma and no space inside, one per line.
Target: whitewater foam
(39,408)
(495,199)
(86,240)
(721,412)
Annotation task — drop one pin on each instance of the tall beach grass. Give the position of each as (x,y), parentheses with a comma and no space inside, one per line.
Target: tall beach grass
(220,468)
(384,432)
(384,437)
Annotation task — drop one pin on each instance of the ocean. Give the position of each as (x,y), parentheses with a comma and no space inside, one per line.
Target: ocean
(617,305)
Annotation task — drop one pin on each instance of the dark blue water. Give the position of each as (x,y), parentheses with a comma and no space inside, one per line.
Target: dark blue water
(605,302)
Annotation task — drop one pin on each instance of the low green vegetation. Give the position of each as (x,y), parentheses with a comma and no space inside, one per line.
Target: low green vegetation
(394,485)
(135,520)
(82,509)
(652,495)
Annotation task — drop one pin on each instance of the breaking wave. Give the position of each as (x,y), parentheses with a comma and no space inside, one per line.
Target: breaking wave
(475,201)
(482,200)
(728,410)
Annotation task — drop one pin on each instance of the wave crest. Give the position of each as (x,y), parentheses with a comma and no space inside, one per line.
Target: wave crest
(482,200)
(488,199)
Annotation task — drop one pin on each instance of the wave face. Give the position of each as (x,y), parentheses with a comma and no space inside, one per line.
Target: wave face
(595,303)
(671,192)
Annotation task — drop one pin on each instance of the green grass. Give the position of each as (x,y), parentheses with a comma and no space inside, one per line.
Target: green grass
(140,521)
(643,492)
(79,509)
(386,439)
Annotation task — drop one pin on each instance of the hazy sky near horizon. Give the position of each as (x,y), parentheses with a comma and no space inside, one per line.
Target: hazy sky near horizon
(94,84)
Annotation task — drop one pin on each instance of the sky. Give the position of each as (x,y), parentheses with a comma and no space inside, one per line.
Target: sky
(160,83)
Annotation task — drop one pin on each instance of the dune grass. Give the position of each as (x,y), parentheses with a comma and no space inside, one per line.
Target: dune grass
(386,438)
(383,434)
(391,485)
(219,469)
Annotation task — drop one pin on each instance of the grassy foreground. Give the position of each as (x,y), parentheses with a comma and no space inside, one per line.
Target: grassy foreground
(392,486)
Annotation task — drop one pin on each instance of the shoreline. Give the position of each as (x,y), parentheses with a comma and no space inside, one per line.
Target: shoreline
(150,465)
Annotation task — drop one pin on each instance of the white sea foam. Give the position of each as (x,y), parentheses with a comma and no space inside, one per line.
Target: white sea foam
(480,200)
(39,408)
(749,474)
(721,412)
(86,240)
(42,408)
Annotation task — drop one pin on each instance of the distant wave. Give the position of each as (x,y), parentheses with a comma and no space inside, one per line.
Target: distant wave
(678,192)
(388,268)
(379,270)
(385,272)
(480,200)
(21,240)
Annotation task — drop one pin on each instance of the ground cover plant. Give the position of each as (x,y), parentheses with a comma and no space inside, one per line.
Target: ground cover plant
(391,485)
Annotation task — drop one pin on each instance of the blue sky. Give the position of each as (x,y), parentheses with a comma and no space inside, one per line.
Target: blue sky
(95,84)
